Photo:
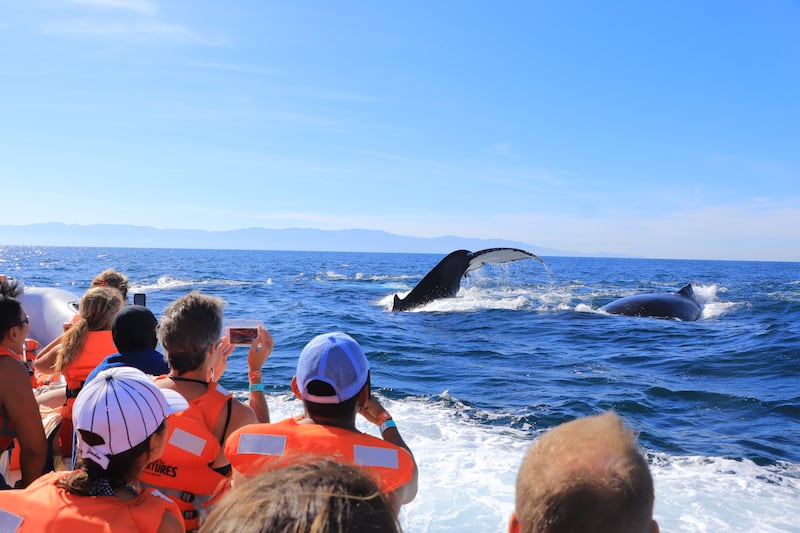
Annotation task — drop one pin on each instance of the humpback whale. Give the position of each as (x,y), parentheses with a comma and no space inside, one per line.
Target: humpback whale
(682,305)
(445,278)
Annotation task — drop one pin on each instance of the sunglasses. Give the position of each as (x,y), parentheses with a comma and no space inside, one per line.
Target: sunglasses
(26,320)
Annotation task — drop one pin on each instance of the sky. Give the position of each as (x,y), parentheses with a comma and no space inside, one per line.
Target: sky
(632,128)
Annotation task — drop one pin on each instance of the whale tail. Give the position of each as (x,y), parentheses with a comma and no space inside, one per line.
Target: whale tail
(444,280)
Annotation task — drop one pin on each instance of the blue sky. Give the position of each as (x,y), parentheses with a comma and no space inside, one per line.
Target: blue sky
(650,129)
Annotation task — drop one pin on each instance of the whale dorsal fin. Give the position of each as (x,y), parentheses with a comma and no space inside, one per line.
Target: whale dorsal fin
(687,291)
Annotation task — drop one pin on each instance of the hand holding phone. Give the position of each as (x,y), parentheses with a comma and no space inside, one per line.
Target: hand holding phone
(243,332)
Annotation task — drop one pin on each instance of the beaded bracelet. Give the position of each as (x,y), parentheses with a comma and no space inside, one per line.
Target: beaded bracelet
(256,387)
(388,424)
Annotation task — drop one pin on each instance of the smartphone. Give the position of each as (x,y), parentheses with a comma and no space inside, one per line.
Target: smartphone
(139,298)
(243,332)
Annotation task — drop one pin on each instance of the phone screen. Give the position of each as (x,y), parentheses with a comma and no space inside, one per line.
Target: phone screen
(140,298)
(242,336)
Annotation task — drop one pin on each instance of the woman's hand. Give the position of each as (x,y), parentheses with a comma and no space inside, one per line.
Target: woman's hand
(223,350)
(259,351)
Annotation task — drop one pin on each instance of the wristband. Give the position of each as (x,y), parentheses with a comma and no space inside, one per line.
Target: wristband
(383,417)
(256,387)
(388,424)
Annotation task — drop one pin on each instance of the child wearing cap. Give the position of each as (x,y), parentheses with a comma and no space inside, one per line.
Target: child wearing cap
(120,417)
(333,382)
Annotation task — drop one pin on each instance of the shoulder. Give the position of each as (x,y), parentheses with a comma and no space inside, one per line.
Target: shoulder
(9,361)
(242,415)
(170,523)
(258,428)
(158,503)
(12,369)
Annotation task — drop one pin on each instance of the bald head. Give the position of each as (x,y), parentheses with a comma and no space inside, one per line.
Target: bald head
(586,475)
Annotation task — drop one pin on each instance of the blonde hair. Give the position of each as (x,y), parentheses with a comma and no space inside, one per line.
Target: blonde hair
(112,278)
(585,475)
(96,311)
(310,495)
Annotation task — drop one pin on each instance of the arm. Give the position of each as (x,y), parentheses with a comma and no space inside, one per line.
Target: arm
(19,404)
(45,362)
(257,410)
(375,413)
(256,356)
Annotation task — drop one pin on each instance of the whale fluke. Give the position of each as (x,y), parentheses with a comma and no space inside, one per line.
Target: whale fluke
(444,280)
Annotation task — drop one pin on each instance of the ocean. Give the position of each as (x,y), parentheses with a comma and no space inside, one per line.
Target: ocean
(471,381)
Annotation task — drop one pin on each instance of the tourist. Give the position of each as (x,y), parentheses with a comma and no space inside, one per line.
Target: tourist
(333,382)
(81,348)
(120,417)
(193,470)
(19,412)
(316,495)
(584,475)
(134,333)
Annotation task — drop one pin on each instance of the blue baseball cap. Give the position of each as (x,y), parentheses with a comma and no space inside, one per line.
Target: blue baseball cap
(336,359)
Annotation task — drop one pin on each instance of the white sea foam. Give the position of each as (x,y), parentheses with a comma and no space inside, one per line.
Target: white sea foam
(467,474)
(167,283)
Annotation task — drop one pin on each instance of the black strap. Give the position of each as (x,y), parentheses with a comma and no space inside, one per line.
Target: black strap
(227,422)
(188,380)
(227,469)
(72,393)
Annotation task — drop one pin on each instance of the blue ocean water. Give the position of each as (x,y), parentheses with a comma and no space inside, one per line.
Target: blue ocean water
(472,380)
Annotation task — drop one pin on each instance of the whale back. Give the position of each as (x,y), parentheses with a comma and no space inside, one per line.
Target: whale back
(677,305)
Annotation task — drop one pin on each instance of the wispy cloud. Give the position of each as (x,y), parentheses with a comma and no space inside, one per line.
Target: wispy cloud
(139,6)
(129,20)
(120,29)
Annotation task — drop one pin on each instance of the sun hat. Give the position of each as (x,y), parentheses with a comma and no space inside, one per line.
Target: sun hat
(336,359)
(123,407)
(134,329)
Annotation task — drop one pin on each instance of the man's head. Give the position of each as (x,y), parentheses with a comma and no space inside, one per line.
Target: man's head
(134,329)
(586,475)
(14,324)
(190,326)
(331,370)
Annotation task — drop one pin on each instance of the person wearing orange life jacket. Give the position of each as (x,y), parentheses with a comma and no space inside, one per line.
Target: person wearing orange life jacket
(19,412)
(31,347)
(121,419)
(193,470)
(333,382)
(82,348)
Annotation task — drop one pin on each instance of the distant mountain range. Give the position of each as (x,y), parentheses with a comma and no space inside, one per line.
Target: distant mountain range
(291,239)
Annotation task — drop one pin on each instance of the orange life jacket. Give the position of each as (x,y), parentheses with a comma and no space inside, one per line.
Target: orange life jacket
(252,447)
(32,347)
(184,471)
(97,345)
(44,506)
(7,430)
